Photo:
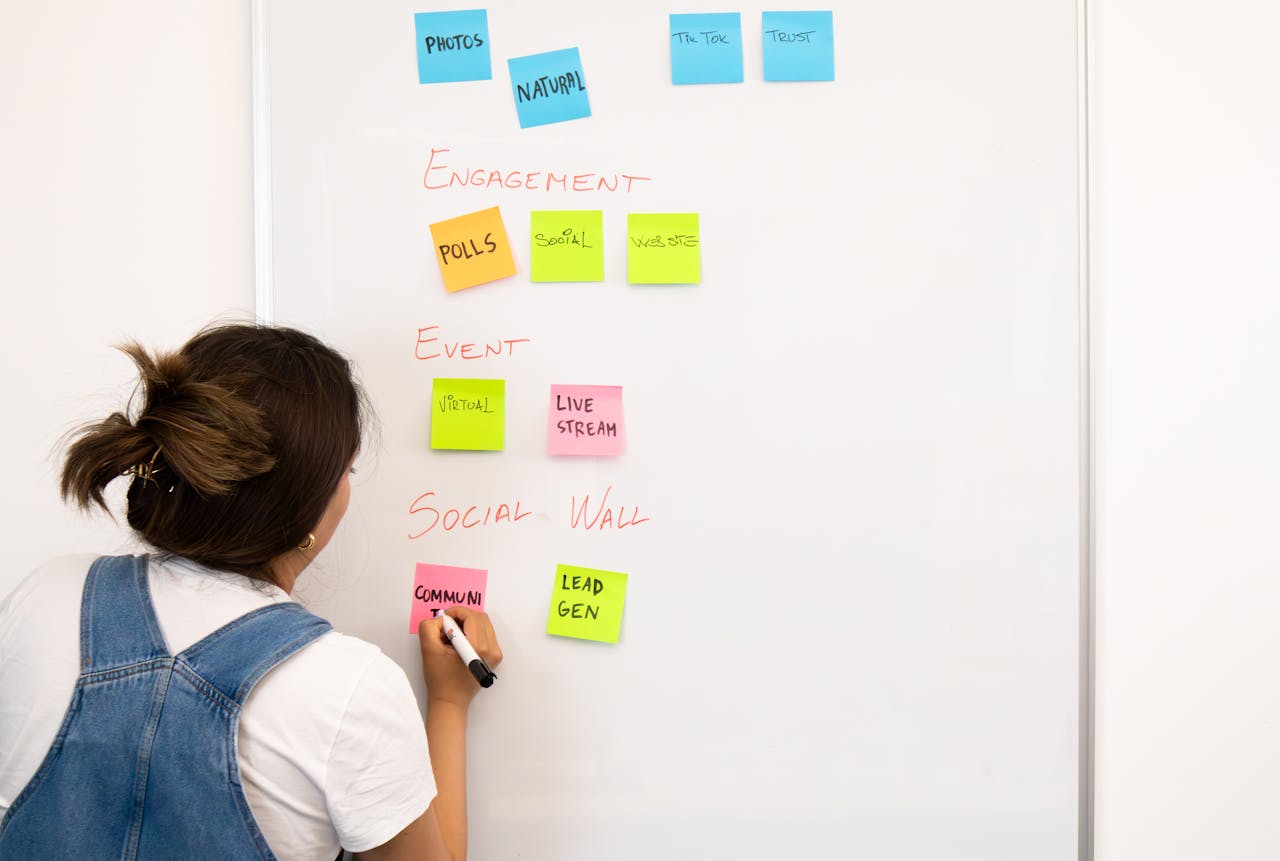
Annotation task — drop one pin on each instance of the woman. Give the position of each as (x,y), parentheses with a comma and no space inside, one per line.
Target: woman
(180,705)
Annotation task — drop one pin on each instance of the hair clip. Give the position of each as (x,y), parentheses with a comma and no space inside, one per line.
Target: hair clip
(146,471)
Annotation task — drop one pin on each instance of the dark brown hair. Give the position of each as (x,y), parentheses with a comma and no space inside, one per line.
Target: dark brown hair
(254,427)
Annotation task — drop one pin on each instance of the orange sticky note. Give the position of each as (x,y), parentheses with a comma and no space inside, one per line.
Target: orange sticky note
(472,249)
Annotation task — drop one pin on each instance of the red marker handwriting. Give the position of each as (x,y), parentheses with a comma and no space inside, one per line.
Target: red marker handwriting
(602,516)
(441,175)
(427,517)
(431,346)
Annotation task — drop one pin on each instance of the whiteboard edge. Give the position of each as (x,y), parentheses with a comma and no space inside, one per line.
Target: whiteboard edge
(1087,474)
(263,289)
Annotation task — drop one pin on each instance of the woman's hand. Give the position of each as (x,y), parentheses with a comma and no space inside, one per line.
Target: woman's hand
(447,678)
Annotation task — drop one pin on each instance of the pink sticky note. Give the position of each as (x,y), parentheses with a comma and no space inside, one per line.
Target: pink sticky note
(438,587)
(585,420)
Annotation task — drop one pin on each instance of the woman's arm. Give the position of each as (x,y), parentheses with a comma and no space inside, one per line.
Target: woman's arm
(440,834)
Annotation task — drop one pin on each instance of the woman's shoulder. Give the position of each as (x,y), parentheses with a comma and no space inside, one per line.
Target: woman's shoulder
(341,661)
(60,580)
(338,668)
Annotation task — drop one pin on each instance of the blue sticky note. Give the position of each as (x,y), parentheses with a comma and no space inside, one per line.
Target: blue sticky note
(799,46)
(706,48)
(453,46)
(549,88)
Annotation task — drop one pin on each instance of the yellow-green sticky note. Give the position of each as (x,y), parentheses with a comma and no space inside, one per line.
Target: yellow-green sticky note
(566,245)
(468,414)
(662,248)
(586,603)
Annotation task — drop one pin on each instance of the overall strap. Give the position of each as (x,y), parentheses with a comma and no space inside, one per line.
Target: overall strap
(234,657)
(118,625)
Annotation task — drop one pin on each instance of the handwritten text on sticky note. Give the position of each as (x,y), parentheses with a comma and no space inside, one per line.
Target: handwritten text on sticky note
(439,587)
(586,603)
(472,249)
(549,87)
(468,414)
(453,46)
(706,48)
(798,46)
(663,248)
(566,245)
(585,420)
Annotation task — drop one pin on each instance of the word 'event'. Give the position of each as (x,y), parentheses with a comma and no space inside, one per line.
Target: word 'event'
(434,347)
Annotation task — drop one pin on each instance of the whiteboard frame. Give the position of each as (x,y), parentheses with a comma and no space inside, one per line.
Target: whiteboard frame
(264,312)
(263,286)
(1085,326)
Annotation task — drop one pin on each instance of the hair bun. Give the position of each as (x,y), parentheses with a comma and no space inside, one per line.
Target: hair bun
(211,438)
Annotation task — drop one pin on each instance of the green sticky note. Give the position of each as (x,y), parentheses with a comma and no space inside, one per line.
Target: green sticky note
(586,603)
(566,245)
(662,248)
(468,414)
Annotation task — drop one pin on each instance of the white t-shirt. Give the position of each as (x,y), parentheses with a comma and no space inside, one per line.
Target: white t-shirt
(332,747)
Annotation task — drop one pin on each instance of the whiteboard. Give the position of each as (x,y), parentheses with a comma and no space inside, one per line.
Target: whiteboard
(861,425)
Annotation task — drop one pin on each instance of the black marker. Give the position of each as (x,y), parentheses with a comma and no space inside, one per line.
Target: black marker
(474,662)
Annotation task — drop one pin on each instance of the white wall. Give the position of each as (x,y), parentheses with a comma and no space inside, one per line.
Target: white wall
(125,211)
(1187,285)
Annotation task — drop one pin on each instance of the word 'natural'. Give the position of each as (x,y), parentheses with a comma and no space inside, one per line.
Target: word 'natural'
(547,85)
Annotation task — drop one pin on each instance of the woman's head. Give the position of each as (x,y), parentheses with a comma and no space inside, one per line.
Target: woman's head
(241,441)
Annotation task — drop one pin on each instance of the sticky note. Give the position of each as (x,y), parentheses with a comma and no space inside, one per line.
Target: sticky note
(706,48)
(585,420)
(472,249)
(566,245)
(468,415)
(439,587)
(798,46)
(549,88)
(453,46)
(586,603)
(662,248)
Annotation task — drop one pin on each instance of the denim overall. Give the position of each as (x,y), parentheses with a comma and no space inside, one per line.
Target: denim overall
(144,765)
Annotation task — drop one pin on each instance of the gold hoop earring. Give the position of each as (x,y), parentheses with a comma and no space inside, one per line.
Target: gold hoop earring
(308,544)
